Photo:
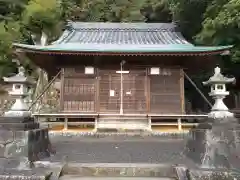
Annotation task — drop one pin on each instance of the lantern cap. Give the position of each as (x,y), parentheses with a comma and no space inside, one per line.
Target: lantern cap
(19,78)
(218,78)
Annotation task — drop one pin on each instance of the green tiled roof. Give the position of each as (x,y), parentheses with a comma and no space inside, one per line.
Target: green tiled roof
(170,48)
(122,38)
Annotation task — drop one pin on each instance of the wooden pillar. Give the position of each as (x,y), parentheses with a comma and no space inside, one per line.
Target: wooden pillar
(179,124)
(149,123)
(182,96)
(97,93)
(147,90)
(65,124)
(62,90)
(96,124)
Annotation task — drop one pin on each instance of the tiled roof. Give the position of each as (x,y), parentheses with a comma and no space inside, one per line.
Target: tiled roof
(128,38)
(122,33)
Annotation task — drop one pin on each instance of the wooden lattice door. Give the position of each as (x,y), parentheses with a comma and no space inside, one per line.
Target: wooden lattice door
(134,92)
(109,92)
(79,92)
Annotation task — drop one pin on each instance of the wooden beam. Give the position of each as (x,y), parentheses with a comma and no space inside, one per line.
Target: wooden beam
(118,115)
(62,90)
(148,99)
(182,95)
(97,89)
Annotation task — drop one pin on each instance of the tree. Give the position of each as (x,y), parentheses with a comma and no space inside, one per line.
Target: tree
(157,11)
(189,15)
(221,26)
(10,31)
(43,16)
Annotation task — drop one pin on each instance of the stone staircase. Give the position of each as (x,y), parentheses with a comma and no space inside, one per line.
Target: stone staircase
(122,123)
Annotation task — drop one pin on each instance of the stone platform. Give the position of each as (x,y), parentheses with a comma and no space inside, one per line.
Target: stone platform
(21,138)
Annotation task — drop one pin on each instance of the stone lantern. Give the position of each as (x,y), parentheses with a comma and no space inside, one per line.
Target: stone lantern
(218,92)
(23,138)
(19,92)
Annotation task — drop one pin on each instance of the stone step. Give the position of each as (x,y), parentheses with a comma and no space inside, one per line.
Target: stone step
(20,174)
(116,171)
(119,170)
(123,123)
(72,177)
(123,117)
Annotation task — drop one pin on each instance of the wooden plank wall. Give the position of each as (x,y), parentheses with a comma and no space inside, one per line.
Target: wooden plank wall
(142,93)
(165,92)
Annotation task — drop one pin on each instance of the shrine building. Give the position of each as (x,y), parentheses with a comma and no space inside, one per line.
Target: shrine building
(121,69)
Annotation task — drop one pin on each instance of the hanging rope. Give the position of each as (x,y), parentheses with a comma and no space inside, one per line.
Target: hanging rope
(198,90)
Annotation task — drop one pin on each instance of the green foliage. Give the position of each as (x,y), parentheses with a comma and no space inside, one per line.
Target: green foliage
(221,25)
(11,9)
(42,15)
(189,15)
(8,33)
(112,10)
(157,11)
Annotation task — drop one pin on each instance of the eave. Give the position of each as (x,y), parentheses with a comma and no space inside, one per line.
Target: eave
(165,50)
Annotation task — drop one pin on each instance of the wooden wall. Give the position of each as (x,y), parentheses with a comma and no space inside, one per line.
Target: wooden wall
(142,93)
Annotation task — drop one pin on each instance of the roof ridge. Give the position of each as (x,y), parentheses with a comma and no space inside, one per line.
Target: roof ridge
(136,26)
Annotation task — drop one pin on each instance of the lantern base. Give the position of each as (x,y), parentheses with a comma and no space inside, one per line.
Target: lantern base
(12,113)
(220,114)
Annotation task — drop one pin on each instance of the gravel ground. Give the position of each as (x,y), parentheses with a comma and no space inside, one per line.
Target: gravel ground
(112,150)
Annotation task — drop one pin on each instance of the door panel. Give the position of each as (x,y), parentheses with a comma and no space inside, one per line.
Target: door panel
(109,92)
(134,93)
